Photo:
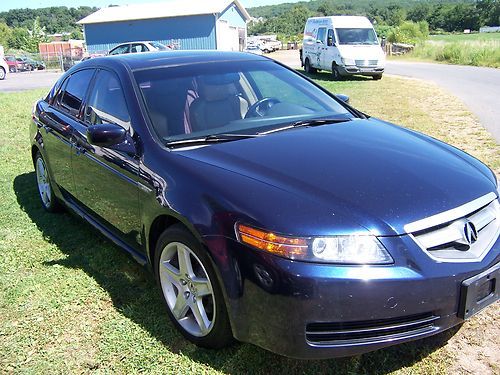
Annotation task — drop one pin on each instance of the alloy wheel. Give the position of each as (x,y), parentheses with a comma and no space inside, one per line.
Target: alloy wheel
(42,179)
(187,289)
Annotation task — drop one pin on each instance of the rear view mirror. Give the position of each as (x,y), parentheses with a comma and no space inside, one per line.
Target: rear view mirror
(344,98)
(104,135)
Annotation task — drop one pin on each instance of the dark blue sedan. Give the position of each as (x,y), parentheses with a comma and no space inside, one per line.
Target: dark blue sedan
(269,210)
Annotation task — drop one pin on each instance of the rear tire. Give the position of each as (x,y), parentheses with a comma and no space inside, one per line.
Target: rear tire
(2,73)
(45,191)
(377,77)
(190,289)
(308,68)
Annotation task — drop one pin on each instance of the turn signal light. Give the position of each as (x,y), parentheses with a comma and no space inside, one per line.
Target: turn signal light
(289,247)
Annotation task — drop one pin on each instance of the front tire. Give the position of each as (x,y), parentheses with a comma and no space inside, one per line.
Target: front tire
(377,77)
(336,73)
(2,73)
(190,289)
(45,191)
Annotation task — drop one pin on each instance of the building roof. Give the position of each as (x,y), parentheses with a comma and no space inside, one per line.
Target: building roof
(176,8)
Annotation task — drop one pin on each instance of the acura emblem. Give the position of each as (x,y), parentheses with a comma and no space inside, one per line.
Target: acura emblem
(470,233)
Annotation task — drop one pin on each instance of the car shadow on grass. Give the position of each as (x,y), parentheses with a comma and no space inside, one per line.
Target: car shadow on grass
(134,294)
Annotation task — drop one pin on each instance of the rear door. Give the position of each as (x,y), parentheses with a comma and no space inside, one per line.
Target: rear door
(106,177)
(59,119)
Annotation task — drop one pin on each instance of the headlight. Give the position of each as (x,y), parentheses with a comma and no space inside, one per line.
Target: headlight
(354,249)
(348,61)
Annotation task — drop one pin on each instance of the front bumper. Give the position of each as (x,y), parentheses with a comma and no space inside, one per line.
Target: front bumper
(359,70)
(306,310)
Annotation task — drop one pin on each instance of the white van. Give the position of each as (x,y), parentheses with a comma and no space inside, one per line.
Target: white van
(344,45)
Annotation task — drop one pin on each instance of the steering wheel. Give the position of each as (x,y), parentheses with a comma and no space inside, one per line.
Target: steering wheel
(260,108)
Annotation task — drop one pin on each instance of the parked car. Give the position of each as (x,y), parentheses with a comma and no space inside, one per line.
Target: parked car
(30,64)
(343,45)
(253,49)
(137,47)
(14,64)
(4,68)
(269,210)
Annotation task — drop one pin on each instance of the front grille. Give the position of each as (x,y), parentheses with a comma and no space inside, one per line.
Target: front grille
(446,238)
(369,331)
(366,63)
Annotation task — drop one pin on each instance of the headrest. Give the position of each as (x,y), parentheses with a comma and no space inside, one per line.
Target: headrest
(217,87)
(220,79)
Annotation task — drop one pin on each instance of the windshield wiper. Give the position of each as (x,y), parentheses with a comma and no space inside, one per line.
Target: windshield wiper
(211,138)
(307,123)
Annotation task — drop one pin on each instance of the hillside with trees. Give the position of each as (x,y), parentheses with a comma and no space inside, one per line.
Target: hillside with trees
(390,17)
(24,28)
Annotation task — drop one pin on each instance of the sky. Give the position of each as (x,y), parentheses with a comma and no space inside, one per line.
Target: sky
(13,4)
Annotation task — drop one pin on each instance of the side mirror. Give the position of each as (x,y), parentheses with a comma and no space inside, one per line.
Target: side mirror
(319,41)
(104,135)
(330,42)
(343,97)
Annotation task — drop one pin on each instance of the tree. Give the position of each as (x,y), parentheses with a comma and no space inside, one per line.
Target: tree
(5,34)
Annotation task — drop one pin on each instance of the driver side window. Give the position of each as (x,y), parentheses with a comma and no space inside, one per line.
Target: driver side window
(107,103)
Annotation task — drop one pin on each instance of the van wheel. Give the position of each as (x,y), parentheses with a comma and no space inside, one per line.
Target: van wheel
(308,68)
(377,77)
(336,73)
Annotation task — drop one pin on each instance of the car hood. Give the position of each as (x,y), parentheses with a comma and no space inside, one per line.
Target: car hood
(361,52)
(377,174)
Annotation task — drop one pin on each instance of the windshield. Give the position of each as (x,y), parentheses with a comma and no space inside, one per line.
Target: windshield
(243,97)
(357,36)
(158,46)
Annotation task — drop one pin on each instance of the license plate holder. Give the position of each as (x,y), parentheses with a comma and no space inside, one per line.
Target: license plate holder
(479,291)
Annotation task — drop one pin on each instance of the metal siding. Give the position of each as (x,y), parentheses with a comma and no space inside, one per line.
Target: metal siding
(193,32)
(233,16)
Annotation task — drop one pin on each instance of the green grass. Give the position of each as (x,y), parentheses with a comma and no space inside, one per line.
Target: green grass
(71,302)
(480,49)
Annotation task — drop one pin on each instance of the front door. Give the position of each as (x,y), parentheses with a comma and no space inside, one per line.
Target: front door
(331,52)
(106,177)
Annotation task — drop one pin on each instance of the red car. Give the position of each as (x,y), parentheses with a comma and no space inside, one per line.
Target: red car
(14,64)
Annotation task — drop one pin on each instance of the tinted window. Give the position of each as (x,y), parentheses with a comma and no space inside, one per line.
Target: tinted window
(106,102)
(75,90)
(119,50)
(191,101)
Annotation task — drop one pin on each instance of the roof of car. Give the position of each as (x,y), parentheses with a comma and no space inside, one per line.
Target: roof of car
(146,60)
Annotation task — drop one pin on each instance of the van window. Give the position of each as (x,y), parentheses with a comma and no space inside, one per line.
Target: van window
(321,34)
(330,40)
